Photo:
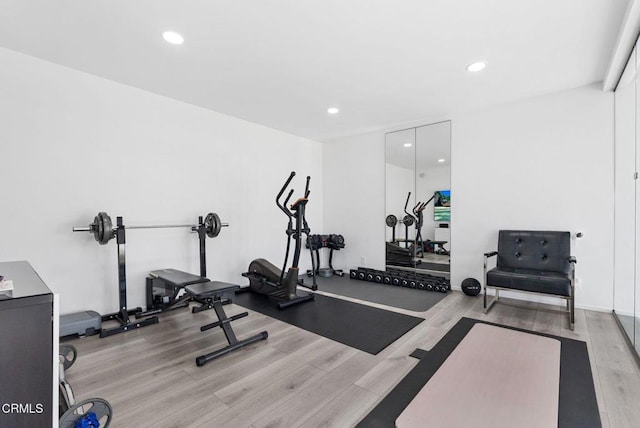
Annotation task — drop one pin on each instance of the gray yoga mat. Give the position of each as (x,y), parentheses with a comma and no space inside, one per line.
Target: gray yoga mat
(517,372)
(398,297)
(577,407)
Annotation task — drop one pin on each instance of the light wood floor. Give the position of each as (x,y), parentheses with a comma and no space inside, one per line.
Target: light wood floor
(297,378)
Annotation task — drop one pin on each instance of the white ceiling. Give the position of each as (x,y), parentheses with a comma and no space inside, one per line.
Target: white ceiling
(282,63)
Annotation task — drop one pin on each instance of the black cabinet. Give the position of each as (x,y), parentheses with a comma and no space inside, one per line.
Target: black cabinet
(26,349)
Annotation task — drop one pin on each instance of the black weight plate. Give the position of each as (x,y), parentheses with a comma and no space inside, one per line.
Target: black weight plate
(107,228)
(212,225)
(102,228)
(407,220)
(391,220)
(97,228)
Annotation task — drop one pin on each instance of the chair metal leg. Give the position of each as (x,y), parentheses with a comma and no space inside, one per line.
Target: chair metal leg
(485,299)
(572,315)
(492,301)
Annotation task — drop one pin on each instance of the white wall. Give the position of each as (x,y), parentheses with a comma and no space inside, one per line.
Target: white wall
(541,163)
(355,205)
(73,144)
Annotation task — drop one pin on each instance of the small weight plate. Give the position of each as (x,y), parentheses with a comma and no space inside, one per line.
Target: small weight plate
(391,220)
(67,354)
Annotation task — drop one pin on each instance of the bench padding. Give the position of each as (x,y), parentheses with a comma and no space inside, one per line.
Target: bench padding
(530,280)
(204,289)
(177,277)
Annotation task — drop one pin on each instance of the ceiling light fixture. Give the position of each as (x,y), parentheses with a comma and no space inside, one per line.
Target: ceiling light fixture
(407,144)
(476,66)
(440,160)
(173,37)
(333,110)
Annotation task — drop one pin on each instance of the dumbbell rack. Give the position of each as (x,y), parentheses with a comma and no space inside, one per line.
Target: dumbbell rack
(333,242)
(402,278)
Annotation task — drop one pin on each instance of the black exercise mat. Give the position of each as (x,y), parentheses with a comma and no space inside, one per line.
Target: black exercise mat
(359,326)
(441,267)
(578,407)
(411,299)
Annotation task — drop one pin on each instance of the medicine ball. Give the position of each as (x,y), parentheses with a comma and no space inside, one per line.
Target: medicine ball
(471,287)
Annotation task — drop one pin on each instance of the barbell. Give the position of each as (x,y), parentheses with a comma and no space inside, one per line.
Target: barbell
(392,220)
(103,230)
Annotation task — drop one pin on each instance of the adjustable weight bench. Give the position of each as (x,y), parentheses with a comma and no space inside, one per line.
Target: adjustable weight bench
(211,293)
(164,287)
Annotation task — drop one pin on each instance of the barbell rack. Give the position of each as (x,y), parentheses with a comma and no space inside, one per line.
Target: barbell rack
(103,231)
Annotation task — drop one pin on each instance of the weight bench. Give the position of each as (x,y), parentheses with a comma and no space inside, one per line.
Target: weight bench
(211,294)
(438,247)
(165,285)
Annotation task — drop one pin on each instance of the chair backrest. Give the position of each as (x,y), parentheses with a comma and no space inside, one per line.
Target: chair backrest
(533,249)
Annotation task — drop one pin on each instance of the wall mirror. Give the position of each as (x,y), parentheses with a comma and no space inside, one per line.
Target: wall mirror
(418,199)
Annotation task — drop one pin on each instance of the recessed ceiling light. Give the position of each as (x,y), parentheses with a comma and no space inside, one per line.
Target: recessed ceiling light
(440,160)
(407,144)
(333,110)
(173,37)
(476,66)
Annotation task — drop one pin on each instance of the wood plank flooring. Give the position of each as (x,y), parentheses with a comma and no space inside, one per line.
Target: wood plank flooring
(299,379)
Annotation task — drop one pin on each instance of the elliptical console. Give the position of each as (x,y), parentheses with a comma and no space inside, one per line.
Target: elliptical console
(265,277)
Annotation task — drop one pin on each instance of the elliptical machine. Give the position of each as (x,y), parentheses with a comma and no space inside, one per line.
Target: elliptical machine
(419,248)
(265,277)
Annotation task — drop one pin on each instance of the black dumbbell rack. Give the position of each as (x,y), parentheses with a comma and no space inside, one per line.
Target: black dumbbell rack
(402,278)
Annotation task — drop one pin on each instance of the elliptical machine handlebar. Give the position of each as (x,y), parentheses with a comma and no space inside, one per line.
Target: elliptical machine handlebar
(306,189)
(286,184)
(405,208)
(286,201)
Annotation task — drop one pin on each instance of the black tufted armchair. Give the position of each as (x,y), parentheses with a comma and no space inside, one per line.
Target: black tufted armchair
(535,262)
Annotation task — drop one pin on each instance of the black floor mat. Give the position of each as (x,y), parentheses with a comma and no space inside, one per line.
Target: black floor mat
(411,299)
(441,267)
(578,407)
(359,326)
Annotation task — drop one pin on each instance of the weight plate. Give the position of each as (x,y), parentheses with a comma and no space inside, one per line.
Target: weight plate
(391,220)
(67,354)
(96,226)
(101,409)
(407,220)
(105,228)
(212,225)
